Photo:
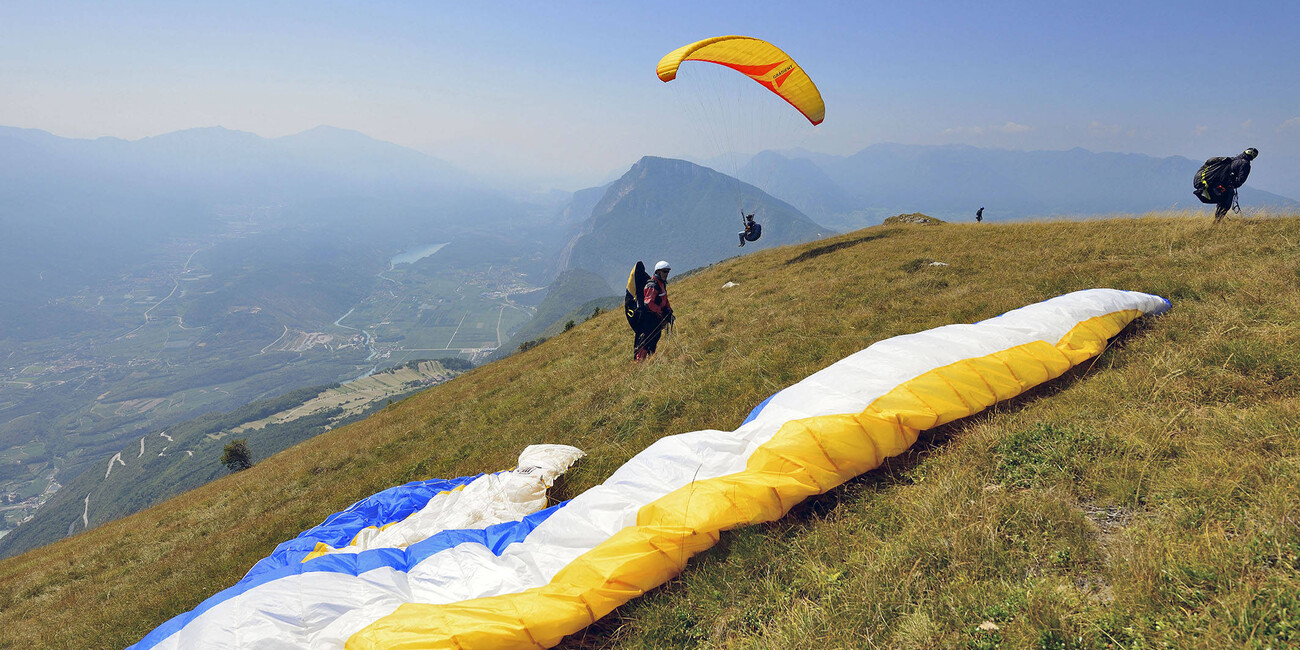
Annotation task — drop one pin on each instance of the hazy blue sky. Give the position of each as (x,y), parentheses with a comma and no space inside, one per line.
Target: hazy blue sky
(565,92)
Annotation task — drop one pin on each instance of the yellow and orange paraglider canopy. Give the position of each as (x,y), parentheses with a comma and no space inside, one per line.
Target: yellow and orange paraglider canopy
(760,61)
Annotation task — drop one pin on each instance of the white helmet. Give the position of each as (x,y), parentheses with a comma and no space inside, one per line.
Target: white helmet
(662,266)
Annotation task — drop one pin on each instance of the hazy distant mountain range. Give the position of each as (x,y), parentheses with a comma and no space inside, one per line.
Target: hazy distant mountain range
(75,209)
(952,182)
(212,163)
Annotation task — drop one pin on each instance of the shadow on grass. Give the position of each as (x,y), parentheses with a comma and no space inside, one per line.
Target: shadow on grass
(897,471)
(831,248)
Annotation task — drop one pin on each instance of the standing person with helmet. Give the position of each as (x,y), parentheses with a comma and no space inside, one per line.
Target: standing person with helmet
(658,313)
(1218,179)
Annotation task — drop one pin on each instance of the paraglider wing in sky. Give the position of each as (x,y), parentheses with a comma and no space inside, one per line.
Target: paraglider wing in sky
(759,60)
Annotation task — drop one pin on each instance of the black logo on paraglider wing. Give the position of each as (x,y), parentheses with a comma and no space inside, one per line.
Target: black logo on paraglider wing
(779,77)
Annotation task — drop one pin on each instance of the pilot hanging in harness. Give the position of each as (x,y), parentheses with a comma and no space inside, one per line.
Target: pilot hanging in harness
(753,230)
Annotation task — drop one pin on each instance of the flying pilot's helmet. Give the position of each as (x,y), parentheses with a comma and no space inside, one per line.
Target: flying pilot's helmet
(1250,153)
(662,266)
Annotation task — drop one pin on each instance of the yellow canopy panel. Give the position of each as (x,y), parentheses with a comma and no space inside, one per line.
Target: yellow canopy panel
(758,60)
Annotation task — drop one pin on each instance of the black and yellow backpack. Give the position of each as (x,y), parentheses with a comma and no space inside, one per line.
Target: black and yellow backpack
(1211,181)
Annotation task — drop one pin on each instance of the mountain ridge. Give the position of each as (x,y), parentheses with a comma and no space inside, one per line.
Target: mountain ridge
(665,207)
(952,181)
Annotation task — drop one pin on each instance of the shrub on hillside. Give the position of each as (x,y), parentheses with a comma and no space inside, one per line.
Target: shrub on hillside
(528,345)
(236,455)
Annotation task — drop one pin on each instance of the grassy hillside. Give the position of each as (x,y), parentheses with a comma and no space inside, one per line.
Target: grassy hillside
(1146,499)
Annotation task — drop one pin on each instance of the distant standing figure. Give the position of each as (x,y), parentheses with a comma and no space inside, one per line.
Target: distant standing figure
(979,214)
(1218,179)
(752,229)
(658,313)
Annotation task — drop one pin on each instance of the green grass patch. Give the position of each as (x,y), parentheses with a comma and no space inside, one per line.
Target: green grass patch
(1044,454)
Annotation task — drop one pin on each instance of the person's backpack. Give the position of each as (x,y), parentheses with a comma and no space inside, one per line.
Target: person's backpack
(755,232)
(1211,181)
(634,301)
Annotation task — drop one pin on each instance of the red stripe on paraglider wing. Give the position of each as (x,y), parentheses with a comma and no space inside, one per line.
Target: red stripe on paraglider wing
(751,70)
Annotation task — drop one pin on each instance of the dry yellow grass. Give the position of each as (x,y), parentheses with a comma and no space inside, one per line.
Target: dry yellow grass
(1145,500)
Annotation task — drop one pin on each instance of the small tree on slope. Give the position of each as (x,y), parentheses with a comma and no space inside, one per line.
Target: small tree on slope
(236,456)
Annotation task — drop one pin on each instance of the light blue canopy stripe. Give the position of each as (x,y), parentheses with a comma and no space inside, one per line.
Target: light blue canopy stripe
(758,409)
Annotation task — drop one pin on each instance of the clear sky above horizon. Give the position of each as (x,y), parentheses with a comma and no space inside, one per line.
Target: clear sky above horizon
(564,94)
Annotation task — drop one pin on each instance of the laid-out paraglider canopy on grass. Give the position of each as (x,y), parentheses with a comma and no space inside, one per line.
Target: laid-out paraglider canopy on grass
(529,582)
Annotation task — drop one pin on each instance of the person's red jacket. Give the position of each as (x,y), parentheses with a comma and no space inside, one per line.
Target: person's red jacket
(656,297)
